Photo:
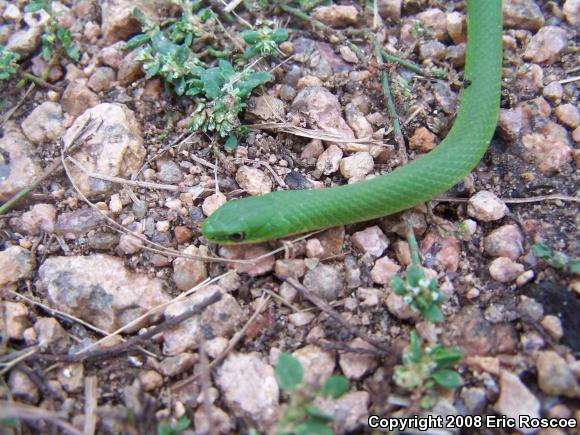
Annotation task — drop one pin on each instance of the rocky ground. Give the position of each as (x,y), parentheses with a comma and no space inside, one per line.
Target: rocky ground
(86,256)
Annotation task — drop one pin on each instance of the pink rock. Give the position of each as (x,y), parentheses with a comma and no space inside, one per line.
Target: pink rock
(547,45)
(371,240)
(384,270)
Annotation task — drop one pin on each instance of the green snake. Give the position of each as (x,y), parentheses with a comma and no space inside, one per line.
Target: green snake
(284,213)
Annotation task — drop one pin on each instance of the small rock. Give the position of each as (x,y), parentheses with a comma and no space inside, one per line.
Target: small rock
(25,42)
(568,115)
(506,241)
(253,181)
(301,319)
(78,222)
(177,364)
(347,54)
(217,320)
(216,346)
(357,166)
(402,252)
(102,79)
(356,365)
(115,149)
(525,278)
(445,97)
(318,364)
(169,172)
(255,268)
(422,140)
(553,91)
(129,244)
(475,399)
(118,21)
(456,54)
(572,11)
(51,336)
(356,120)
(505,270)
(15,264)
(45,123)
(72,377)
(213,202)
(309,82)
(522,14)
(554,376)
(22,388)
(530,309)
(549,148)
(485,206)
(457,27)
(350,412)
(553,326)
(150,380)
(40,218)
(510,124)
(12,13)
(325,282)
(484,363)
(371,240)
(399,308)
(113,54)
(515,400)
(290,268)
(15,320)
(384,270)
(547,45)
(312,150)
(220,421)
(182,234)
(103,241)
(249,386)
(369,297)
(448,255)
(187,272)
(287,93)
(314,248)
(432,50)
(130,69)
(78,286)
(328,162)
(336,15)
(390,9)
(77,97)
(435,20)
(529,80)
(266,108)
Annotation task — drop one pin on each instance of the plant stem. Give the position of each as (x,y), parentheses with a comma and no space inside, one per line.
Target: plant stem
(414,67)
(299,14)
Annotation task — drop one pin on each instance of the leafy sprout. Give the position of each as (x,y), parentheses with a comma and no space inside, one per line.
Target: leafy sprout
(8,63)
(165,428)
(423,369)
(557,260)
(263,42)
(302,417)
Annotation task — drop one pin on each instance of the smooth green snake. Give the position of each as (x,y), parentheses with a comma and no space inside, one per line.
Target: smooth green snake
(284,213)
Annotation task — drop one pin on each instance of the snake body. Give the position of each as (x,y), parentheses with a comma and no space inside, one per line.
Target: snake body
(284,213)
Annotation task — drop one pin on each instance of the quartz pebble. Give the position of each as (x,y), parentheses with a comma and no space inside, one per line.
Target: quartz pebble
(485,206)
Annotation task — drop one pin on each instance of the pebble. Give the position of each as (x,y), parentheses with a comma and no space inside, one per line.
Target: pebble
(266,108)
(522,14)
(175,365)
(249,252)
(169,172)
(150,380)
(485,206)
(15,319)
(369,297)
(510,124)
(71,377)
(187,272)
(78,286)
(515,400)
(390,9)
(554,376)
(18,164)
(553,91)
(529,80)
(324,281)
(26,41)
(553,326)
(356,365)
(456,54)
(422,140)
(40,218)
(549,148)
(309,81)
(357,166)
(216,346)
(371,241)
(399,308)
(314,248)
(525,278)
(15,264)
(103,241)
(505,270)
(530,309)
(213,202)
(432,50)
(102,79)
(253,180)
(475,399)
(288,293)
(45,123)
(329,161)
(50,335)
(402,252)
(249,386)
(301,319)
(182,234)
(568,115)
(347,54)
(336,15)
(318,364)
(77,97)
(547,45)
(312,150)
(287,93)
(457,27)
(116,149)
(217,320)
(350,412)
(129,244)
(384,270)
(571,11)
(447,99)
(220,421)
(506,241)
(78,222)
(22,388)
(118,22)
(357,121)
(290,268)
(12,13)
(435,20)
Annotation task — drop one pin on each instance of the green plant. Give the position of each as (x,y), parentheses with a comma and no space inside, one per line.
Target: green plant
(264,41)
(165,428)
(419,291)
(557,260)
(54,35)
(8,63)
(423,369)
(302,417)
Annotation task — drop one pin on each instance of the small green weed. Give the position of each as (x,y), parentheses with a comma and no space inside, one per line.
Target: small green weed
(54,36)
(557,260)
(263,42)
(302,417)
(165,428)
(418,291)
(424,369)
(8,63)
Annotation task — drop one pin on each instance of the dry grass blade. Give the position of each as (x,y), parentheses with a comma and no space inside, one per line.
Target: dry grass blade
(21,411)
(90,405)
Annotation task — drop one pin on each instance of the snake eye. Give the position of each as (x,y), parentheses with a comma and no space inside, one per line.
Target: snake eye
(237,237)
